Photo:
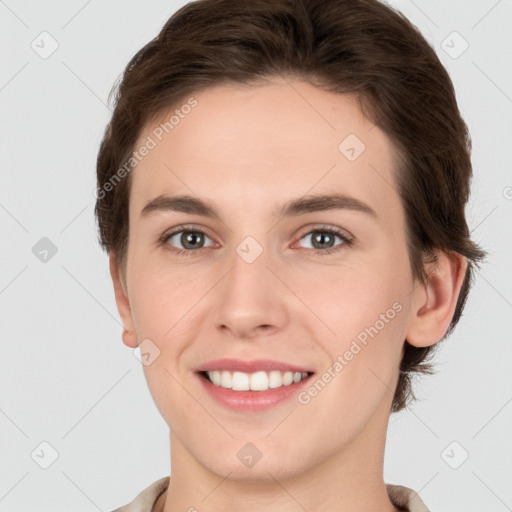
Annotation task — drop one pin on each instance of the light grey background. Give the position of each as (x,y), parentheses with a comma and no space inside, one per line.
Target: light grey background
(66,378)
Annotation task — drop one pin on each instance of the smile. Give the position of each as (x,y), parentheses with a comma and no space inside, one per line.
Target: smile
(254,392)
(258,381)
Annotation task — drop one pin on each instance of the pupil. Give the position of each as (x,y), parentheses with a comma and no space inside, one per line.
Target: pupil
(322,237)
(190,238)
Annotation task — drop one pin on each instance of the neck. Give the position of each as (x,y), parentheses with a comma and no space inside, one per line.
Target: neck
(349,479)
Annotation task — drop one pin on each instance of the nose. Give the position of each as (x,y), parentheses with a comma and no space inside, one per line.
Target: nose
(252,301)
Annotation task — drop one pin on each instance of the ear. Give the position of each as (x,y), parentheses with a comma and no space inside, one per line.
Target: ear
(123,304)
(434,303)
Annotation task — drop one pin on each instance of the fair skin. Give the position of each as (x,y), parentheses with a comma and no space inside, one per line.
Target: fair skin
(246,151)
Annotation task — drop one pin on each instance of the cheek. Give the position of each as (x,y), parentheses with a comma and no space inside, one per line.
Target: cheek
(161,298)
(163,311)
(363,313)
(350,299)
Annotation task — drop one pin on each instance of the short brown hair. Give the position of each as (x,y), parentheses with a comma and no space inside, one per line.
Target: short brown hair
(357,46)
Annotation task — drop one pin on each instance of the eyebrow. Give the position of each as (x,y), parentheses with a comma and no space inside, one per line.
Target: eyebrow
(292,208)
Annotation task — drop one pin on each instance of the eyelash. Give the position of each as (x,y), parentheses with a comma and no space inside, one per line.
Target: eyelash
(193,252)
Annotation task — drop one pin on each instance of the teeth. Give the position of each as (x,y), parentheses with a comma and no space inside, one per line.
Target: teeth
(240,381)
(259,381)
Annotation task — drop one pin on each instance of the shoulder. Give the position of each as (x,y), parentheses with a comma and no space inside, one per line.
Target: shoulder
(402,497)
(145,500)
(405,498)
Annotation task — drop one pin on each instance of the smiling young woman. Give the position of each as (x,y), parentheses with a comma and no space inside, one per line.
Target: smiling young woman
(285,222)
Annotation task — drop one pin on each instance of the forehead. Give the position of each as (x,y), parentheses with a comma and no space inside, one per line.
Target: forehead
(255,145)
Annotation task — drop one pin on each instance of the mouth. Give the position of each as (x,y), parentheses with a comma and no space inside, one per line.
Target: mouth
(256,381)
(255,392)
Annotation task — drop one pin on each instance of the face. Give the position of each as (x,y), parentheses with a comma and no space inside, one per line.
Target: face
(325,287)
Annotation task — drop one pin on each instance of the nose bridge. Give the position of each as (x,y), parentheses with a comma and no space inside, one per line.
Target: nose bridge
(250,296)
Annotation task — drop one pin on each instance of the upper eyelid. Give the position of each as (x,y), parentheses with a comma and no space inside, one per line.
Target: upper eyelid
(180,229)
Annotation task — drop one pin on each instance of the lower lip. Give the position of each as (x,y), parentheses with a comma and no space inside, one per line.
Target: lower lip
(252,401)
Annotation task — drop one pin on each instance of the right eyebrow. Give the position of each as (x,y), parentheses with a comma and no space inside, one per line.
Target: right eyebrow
(183,203)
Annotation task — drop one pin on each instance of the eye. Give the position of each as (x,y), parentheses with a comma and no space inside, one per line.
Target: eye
(191,239)
(323,238)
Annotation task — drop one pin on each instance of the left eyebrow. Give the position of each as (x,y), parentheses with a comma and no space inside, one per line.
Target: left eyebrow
(292,208)
(323,202)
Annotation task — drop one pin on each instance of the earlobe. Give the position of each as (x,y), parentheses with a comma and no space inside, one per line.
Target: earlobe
(434,302)
(123,304)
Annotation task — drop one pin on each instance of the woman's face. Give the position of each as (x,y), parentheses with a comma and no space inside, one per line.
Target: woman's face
(256,285)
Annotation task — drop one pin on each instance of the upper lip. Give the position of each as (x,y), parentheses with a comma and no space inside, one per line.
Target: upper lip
(250,366)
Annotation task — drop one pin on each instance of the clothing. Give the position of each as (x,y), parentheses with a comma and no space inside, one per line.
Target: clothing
(402,497)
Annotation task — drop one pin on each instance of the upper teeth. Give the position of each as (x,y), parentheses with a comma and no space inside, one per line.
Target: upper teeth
(259,381)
